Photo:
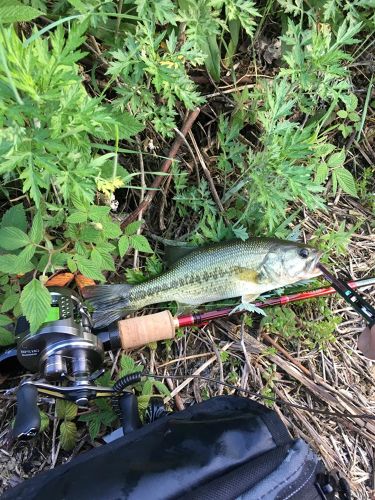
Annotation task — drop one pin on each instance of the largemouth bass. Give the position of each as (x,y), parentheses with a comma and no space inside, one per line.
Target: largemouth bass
(220,271)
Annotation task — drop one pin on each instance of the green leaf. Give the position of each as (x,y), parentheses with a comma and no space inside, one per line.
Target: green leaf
(10,264)
(6,337)
(94,425)
(133,227)
(15,12)
(140,243)
(213,57)
(37,230)
(98,213)
(68,435)
(66,409)
(88,268)
(129,126)
(147,387)
(4,320)
(44,421)
(12,238)
(77,217)
(10,302)
(163,389)
(123,245)
(337,159)
(111,230)
(72,265)
(127,364)
(24,257)
(321,172)
(107,260)
(36,303)
(342,113)
(346,181)
(15,217)
(143,401)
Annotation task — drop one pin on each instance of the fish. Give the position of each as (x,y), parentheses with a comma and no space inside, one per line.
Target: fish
(210,273)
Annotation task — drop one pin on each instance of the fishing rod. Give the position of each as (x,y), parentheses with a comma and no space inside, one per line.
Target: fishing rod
(135,332)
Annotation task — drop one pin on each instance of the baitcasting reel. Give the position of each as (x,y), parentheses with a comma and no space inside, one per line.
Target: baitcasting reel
(65,351)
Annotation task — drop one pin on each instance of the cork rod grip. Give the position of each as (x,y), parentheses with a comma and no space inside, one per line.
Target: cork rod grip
(136,332)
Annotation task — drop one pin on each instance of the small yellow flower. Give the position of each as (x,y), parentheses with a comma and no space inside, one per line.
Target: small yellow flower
(108,186)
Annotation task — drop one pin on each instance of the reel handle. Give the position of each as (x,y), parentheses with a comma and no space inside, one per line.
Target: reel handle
(27,422)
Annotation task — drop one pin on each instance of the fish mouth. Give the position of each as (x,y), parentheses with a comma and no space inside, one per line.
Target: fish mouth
(313,268)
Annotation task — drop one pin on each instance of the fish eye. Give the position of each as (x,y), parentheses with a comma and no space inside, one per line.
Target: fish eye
(304,253)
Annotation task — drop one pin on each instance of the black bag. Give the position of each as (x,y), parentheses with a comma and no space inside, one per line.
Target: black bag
(224,448)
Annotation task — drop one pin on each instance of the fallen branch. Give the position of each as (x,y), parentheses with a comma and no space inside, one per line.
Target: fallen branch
(144,205)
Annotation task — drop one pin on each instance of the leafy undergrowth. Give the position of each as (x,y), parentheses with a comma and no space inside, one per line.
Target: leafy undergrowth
(92,95)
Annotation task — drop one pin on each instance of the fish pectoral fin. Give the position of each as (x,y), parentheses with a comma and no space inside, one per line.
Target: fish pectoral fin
(184,308)
(251,276)
(248,275)
(247,306)
(249,298)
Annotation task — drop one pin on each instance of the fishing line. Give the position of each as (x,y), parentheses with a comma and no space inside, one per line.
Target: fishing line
(276,400)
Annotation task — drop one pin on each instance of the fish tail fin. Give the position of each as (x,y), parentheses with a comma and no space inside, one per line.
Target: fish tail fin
(110,302)
(100,319)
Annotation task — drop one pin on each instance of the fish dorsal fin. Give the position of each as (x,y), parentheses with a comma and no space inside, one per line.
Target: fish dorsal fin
(175,251)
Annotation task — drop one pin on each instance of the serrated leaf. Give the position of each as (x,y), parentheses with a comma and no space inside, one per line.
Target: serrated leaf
(346,181)
(12,238)
(143,401)
(68,435)
(66,409)
(10,302)
(91,234)
(15,12)
(94,426)
(111,230)
(37,230)
(36,303)
(107,260)
(336,160)
(103,260)
(240,232)
(98,213)
(163,389)
(133,227)
(24,257)
(147,387)
(88,268)
(15,217)
(127,365)
(321,172)
(139,242)
(44,421)
(123,245)
(72,265)
(129,126)
(9,264)
(77,217)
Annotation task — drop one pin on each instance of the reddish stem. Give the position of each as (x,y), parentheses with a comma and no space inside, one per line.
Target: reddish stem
(144,205)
